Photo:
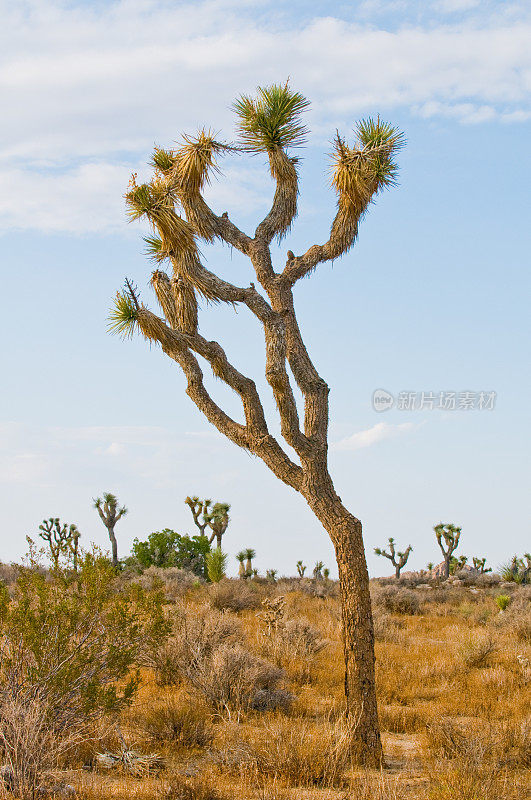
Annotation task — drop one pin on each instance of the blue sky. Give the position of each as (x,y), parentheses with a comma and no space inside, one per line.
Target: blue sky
(434,297)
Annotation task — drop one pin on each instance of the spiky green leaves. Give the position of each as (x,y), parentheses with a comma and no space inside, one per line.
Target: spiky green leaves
(156,201)
(272,119)
(123,317)
(361,171)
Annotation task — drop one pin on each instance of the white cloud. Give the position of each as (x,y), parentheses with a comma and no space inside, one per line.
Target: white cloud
(467,113)
(44,456)
(378,432)
(87,89)
(451,6)
(87,198)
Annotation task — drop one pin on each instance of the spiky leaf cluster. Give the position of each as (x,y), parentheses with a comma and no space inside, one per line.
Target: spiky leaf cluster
(123,316)
(361,171)
(272,120)
(156,201)
(195,161)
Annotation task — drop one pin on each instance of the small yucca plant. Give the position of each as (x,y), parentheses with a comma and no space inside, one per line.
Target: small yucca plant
(502,601)
(216,563)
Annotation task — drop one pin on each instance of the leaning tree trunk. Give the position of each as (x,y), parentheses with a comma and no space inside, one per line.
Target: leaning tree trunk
(358,631)
(397,571)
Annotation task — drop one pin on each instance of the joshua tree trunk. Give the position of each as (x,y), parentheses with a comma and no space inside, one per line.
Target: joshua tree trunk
(358,633)
(270,124)
(114,546)
(447,559)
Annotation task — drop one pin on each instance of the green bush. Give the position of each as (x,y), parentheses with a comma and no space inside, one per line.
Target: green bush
(167,548)
(71,647)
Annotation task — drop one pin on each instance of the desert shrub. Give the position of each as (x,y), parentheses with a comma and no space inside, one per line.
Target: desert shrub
(475,651)
(292,644)
(313,587)
(175,582)
(487,580)
(397,600)
(234,595)
(181,720)
(8,574)
(235,679)
(516,619)
(197,632)
(69,642)
(207,650)
(297,752)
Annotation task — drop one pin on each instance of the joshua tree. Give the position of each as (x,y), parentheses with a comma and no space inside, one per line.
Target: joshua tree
(73,545)
(173,203)
(326,573)
(249,555)
(397,559)
(301,569)
(479,565)
(271,575)
(318,570)
(109,513)
(61,539)
(450,535)
(430,565)
(241,558)
(457,563)
(215,518)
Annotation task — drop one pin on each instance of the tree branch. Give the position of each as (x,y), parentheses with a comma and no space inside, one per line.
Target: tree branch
(254,435)
(284,208)
(343,234)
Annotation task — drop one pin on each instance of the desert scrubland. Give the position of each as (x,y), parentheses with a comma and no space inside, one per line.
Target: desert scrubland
(236,689)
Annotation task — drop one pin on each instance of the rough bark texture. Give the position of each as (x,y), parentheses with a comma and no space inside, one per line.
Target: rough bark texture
(273,308)
(358,633)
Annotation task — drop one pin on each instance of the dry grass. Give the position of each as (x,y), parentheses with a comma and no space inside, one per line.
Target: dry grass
(454,689)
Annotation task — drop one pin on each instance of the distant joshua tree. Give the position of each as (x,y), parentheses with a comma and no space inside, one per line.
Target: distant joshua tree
(318,571)
(479,565)
(326,573)
(249,555)
(271,575)
(457,563)
(450,535)
(241,558)
(62,539)
(397,559)
(215,518)
(110,514)
(301,569)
